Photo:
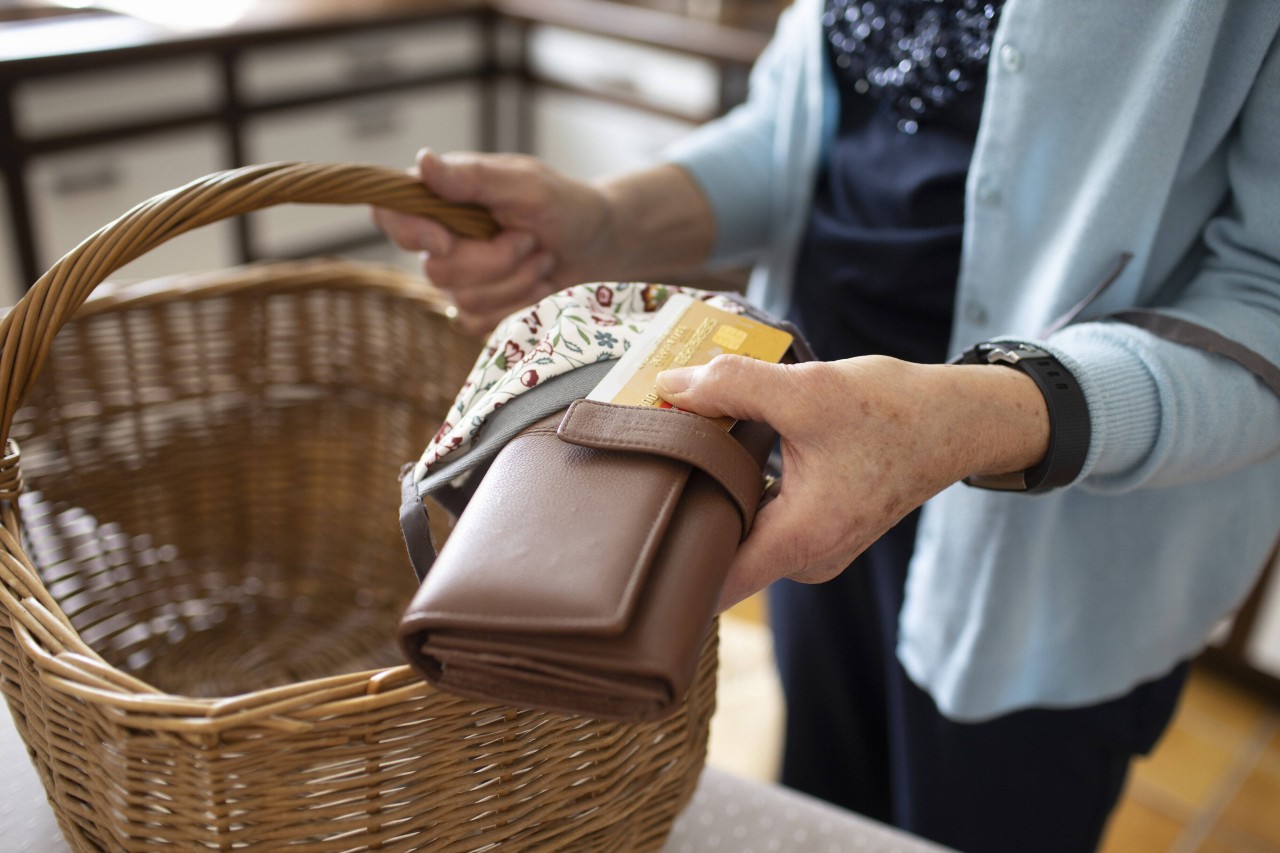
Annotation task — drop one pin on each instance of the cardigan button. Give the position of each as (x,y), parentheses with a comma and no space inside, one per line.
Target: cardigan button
(975,313)
(1010,58)
(987,192)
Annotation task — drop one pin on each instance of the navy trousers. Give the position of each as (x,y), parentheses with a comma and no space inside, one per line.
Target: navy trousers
(861,734)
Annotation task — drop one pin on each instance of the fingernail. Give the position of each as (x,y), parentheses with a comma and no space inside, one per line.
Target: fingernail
(428,165)
(434,242)
(525,244)
(674,381)
(546,265)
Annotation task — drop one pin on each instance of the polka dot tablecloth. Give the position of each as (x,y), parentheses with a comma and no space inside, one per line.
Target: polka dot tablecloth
(728,814)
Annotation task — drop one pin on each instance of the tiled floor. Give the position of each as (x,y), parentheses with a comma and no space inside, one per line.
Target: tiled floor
(1211,786)
(1213,782)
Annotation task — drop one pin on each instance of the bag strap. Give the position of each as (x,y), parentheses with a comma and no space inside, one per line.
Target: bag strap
(1170,328)
(415,527)
(1201,337)
(673,434)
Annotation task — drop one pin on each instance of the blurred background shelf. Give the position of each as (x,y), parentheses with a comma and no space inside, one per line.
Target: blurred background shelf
(101,108)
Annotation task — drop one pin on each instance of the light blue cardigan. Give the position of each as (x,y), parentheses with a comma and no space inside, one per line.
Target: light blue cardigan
(1124,126)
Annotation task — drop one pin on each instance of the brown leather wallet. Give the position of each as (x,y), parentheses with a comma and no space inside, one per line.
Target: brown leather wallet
(585,572)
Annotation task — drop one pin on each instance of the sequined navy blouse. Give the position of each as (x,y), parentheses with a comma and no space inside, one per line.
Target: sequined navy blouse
(879,261)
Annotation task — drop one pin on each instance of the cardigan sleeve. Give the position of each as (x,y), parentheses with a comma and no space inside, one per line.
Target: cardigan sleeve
(732,158)
(1164,413)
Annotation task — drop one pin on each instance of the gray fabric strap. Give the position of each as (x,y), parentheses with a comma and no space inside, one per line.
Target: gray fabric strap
(1194,335)
(510,420)
(415,527)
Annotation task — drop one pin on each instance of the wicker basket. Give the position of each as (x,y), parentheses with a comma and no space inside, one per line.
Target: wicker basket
(200,592)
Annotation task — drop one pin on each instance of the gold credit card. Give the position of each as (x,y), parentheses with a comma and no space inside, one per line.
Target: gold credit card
(685,332)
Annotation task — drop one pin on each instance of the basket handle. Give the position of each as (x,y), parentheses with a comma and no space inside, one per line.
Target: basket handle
(27,331)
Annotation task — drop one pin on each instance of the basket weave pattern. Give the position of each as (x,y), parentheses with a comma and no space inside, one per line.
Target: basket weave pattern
(201,570)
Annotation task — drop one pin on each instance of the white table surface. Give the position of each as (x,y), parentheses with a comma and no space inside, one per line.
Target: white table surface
(728,813)
(731,814)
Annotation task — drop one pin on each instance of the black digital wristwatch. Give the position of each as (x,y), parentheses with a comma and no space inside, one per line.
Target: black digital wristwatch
(1068,417)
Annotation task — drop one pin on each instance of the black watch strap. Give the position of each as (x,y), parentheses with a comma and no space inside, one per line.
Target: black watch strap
(1068,417)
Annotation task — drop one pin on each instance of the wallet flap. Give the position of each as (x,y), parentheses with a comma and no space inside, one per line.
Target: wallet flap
(557,538)
(674,434)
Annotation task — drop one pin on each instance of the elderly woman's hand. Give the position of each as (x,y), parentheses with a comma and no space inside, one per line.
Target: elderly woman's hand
(554,231)
(864,442)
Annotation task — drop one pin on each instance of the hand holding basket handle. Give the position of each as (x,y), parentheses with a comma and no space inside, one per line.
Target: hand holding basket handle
(27,332)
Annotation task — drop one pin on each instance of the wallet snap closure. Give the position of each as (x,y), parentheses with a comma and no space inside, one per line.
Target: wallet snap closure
(678,435)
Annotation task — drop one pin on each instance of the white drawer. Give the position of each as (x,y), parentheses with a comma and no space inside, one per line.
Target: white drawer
(85,100)
(386,130)
(75,192)
(11,285)
(667,79)
(341,62)
(587,138)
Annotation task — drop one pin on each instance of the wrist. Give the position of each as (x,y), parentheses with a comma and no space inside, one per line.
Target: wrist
(1064,409)
(655,222)
(1008,418)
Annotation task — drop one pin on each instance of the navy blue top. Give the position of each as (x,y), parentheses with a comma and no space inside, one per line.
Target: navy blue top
(878,264)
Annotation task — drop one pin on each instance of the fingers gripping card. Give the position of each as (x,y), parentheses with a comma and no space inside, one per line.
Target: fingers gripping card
(685,333)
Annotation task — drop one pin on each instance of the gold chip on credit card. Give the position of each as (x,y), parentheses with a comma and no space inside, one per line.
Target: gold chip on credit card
(729,338)
(685,332)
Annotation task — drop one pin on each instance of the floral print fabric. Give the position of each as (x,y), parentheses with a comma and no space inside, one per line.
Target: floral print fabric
(581,325)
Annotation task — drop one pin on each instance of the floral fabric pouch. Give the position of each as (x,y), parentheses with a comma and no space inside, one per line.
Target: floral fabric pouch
(585,326)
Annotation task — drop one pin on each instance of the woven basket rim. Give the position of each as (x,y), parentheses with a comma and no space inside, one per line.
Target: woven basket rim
(78,670)
(265,276)
(28,329)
